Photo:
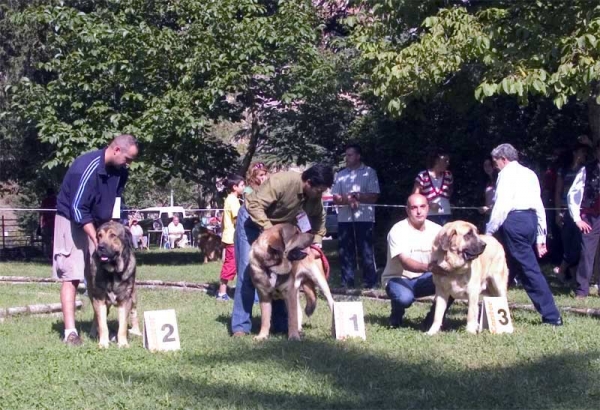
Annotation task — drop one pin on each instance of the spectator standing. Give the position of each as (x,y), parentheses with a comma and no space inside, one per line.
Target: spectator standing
(436,184)
(584,208)
(519,211)
(46,222)
(286,197)
(356,188)
(89,196)
(572,162)
(235,186)
(256,175)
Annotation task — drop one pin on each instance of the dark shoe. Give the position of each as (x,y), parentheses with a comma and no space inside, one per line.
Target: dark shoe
(395,323)
(239,334)
(73,340)
(559,322)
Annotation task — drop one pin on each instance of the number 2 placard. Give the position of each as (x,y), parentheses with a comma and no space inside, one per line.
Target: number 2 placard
(160,330)
(348,320)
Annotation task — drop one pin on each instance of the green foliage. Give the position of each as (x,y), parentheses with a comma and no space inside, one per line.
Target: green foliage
(547,48)
(164,72)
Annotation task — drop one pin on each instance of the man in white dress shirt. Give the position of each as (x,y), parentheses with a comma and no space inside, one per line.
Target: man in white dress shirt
(519,211)
(584,207)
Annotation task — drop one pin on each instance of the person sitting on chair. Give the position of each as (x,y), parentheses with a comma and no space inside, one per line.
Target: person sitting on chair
(176,233)
(137,233)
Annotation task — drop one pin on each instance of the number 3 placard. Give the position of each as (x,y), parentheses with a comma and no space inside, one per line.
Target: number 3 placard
(160,330)
(495,315)
(348,320)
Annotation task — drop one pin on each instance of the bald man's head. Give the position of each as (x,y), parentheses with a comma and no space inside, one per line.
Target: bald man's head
(417,209)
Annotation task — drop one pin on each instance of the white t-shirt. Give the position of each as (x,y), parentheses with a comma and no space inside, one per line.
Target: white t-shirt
(136,230)
(174,230)
(406,240)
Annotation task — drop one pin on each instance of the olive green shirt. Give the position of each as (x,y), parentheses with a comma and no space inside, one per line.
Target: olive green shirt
(280,198)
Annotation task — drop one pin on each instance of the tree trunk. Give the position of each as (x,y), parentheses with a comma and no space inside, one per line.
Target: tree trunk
(252,144)
(594,112)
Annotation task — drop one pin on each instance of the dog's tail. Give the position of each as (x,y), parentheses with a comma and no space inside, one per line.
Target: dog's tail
(310,293)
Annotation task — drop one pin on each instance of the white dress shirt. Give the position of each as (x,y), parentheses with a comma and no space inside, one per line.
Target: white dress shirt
(517,189)
(360,180)
(575,195)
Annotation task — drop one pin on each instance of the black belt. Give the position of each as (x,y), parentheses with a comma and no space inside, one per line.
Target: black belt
(520,211)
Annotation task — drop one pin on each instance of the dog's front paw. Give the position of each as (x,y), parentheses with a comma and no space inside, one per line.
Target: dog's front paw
(294,336)
(123,344)
(432,332)
(103,344)
(261,337)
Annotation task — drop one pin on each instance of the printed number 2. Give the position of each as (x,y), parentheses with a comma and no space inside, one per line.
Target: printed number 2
(504,317)
(354,319)
(170,329)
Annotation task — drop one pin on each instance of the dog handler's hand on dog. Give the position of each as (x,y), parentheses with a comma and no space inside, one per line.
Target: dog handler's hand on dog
(90,230)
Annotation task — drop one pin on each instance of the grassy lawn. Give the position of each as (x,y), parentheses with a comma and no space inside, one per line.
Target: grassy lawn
(536,367)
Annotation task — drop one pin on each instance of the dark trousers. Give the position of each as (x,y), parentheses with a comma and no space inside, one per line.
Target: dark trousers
(246,232)
(589,246)
(571,238)
(363,232)
(520,231)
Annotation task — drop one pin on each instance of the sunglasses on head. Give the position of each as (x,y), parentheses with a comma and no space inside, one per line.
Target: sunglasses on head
(259,165)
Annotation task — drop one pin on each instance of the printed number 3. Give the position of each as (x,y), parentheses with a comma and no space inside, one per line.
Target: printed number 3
(354,319)
(503,317)
(168,337)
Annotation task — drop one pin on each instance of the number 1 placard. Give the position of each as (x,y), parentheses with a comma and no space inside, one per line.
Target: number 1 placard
(348,320)
(160,330)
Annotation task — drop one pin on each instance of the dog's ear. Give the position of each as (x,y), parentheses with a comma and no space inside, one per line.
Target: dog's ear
(295,247)
(275,244)
(127,238)
(444,238)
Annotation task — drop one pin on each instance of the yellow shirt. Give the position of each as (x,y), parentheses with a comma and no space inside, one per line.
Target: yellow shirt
(232,206)
(280,198)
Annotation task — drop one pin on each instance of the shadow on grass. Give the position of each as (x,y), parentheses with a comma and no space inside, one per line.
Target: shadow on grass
(355,379)
(173,257)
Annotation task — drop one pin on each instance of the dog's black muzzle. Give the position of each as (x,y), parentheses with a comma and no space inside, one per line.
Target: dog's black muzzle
(473,251)
(106,254)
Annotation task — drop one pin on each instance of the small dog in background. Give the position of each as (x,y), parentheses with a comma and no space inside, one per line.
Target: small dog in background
(209,244)
(111,281)
(282,262)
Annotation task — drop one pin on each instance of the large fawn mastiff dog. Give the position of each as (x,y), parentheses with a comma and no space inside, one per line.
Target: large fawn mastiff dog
(282,262)
(474,264)
(112,282)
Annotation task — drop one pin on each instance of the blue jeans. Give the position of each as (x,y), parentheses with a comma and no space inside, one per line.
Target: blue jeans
(403,292)
(347,247)
(246,232)
(520,230)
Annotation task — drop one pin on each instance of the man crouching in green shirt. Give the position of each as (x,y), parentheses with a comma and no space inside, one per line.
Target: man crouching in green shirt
(285,197)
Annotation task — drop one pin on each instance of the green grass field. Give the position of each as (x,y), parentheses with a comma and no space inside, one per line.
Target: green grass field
(536,367)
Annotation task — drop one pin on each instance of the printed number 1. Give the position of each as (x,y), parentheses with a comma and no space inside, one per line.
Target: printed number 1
(170,329)
(354,319)
(504,317)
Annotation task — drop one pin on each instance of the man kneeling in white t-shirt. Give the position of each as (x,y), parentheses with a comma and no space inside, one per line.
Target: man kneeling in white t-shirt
(407,273)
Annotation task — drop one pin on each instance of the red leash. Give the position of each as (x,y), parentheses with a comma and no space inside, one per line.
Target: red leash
(323,259)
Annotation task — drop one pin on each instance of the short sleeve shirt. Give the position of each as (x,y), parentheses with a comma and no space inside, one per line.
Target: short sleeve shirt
(361,180)
(230,211)
(404,239)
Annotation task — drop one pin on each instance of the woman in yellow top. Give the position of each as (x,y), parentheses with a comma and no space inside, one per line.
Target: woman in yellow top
(235,187)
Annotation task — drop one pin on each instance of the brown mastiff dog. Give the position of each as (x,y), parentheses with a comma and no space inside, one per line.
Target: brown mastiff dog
(112,282)
(282,262)
(474,264)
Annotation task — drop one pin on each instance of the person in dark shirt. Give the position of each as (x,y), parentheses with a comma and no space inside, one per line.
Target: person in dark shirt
(90,195)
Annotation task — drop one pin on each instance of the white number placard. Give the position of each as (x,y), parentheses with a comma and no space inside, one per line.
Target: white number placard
(496,315)
(348,320)
(160,330)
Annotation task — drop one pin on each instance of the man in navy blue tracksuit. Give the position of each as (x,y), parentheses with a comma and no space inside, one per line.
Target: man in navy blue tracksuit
(89,196)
